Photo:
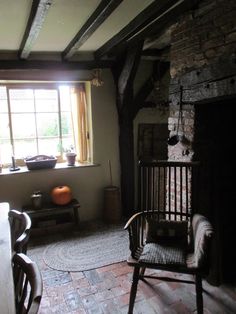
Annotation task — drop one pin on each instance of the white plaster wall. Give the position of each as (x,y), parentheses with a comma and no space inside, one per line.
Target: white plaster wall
(87,183)
(106,129)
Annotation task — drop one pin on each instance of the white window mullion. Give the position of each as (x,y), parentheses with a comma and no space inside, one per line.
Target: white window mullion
(35,119)
(59,117)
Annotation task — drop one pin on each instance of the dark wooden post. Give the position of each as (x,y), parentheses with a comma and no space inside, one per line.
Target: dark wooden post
(124,74)
(128,106)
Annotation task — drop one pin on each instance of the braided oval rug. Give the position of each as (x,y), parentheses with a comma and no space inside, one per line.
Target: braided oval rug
(88,250)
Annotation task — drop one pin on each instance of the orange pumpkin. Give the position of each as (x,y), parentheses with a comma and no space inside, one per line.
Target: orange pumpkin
(61,195)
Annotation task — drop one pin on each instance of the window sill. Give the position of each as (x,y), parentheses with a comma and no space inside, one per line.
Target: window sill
(24,169)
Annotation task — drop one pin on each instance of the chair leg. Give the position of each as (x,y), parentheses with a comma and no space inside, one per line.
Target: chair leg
(142,272)
(198,283)
(133,289)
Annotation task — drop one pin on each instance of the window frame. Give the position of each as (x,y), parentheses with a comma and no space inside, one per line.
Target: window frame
(37,86)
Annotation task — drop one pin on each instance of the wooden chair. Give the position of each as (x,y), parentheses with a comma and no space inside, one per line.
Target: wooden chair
(28,284)
(20,224)
(166,233)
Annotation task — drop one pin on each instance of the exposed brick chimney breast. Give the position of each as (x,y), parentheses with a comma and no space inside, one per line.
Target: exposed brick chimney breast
(203,62)
(203,36)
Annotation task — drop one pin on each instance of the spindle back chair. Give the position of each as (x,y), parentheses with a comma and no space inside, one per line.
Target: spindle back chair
(167,233)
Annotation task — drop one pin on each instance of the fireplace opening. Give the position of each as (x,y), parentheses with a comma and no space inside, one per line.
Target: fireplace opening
(214,142)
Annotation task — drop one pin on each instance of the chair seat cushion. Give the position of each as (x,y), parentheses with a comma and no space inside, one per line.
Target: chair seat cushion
(154,253)
(167,233)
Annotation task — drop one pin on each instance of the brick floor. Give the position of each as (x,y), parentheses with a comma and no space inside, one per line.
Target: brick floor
(106,290)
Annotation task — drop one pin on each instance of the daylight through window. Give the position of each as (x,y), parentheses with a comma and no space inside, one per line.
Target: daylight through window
(43,120)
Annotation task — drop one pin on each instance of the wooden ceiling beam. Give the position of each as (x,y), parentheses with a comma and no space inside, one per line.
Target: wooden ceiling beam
(130,68)
(53,65)
(159,70)
(104,9)
(36,19)
(156,27)
(156,54)
(149,14)
(170,17)
(152,52)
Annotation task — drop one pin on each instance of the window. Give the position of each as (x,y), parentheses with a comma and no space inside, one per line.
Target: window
(43,120)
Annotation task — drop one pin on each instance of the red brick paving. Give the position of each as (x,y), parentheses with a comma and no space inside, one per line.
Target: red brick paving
(106,290)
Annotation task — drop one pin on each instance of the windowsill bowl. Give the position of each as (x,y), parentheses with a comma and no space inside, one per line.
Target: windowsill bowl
(40,162)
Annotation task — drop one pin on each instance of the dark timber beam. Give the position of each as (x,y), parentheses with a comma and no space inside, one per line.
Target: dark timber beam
(156,54)
(209,83)
(127,75)
(53,65)
(156,27)
(105,8)
(152,52)
(194,4)
(124,73)
(37,16)
(149,14)
(159,70)
(167,19)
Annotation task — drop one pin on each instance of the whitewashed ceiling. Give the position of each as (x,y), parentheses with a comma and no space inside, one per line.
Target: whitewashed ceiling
(77,30)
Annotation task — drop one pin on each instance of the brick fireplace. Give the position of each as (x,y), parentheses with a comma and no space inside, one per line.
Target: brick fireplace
(203,64)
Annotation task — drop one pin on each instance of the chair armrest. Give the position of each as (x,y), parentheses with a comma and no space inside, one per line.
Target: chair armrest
(132,220)
(136,226)
(202,235)
(140,215)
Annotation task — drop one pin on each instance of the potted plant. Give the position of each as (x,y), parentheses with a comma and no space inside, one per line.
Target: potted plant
(70,156)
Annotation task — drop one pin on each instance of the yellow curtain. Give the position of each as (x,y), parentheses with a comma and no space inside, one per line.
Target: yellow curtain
(80,122)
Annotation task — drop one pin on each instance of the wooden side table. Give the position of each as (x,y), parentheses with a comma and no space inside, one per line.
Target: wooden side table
(50,217)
